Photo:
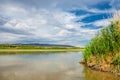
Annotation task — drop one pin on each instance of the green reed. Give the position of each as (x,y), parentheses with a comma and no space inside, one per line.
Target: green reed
(106,42)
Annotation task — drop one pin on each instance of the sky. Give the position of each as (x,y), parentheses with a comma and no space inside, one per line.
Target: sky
(66,22)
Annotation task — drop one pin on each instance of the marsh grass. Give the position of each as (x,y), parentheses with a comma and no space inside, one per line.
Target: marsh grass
(106,43)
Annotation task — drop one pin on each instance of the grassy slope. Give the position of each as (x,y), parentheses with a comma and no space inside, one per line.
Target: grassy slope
(103,52)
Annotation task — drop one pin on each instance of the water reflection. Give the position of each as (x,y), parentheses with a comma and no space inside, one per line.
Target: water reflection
(97,75)
(47,67)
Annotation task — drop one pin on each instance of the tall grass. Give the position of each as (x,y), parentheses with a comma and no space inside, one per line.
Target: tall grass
(106,42)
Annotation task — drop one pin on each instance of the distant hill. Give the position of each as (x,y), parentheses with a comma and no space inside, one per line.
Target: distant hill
(48,45)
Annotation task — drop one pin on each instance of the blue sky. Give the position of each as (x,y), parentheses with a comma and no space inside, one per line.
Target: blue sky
(71,22)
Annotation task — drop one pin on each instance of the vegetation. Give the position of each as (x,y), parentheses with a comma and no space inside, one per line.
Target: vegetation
(104,49)
(35,48)
(15,46)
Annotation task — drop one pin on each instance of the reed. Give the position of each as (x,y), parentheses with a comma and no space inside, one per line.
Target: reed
(106,43)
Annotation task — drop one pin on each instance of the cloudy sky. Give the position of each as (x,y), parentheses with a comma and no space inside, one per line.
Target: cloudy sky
(71,22)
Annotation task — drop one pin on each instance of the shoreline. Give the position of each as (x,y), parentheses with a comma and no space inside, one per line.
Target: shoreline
(98,68)
(40,50)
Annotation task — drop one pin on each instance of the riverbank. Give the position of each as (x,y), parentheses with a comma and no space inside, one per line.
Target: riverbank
(40,50)
(103,51)
(103,67)
(17,48)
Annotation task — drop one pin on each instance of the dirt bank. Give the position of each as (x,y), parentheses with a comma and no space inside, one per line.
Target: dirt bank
(101,66)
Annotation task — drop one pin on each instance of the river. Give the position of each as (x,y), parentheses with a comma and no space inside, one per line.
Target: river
(48,66)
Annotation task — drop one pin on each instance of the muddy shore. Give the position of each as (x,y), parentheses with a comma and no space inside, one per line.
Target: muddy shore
(98,67)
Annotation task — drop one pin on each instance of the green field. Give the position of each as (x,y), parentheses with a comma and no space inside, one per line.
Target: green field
(32,48)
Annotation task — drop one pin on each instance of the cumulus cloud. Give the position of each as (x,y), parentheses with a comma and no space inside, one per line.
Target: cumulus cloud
(103,22)
(44,21)
(57,26)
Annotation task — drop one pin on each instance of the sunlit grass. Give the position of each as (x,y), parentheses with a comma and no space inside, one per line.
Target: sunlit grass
(9,48)
(106,43)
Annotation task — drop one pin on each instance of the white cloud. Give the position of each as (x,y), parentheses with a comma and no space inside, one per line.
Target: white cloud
(9,37)
(40,23)
(102,23)
(53,25)
(64,33)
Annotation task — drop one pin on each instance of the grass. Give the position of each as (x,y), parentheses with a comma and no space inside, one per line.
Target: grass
(16,46)
(30,48)
(105,44)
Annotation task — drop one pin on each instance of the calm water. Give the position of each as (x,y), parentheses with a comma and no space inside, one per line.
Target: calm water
(59,66)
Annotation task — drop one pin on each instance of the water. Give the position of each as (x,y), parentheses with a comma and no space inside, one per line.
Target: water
(51,66)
